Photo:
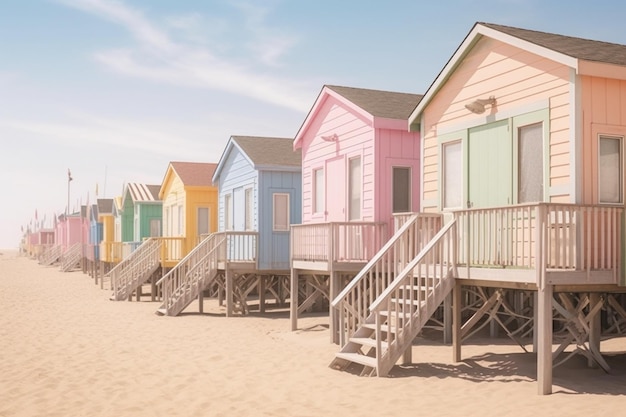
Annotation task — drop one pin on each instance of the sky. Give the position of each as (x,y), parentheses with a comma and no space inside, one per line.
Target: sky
(113,90)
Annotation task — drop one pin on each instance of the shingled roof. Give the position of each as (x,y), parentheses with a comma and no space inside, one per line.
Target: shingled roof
(105,205)
(195,173)
(378,103)
(579,48)
(269,151)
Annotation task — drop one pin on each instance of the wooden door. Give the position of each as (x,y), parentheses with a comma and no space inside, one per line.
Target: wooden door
(490,166)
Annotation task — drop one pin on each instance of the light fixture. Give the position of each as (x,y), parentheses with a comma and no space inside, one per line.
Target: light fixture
(478,106)
(331,138)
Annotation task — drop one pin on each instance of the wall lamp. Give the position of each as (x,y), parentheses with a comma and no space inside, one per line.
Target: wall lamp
(478,106)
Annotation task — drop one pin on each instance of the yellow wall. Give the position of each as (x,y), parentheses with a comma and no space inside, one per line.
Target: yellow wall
(176,195)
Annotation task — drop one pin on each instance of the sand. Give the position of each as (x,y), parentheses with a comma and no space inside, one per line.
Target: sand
(66,350)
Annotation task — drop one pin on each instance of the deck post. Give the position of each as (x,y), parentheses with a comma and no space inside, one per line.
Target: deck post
(543,327)
(332,313)
(261,290)
(456,322)
(447,319)
(293,304)
(595,326)
(200,301)
(229,291)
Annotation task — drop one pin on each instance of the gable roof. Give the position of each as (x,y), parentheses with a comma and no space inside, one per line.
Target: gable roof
(263,153)
(378,103)
(194,173)
(567,50)
(141,193)
(580,48)
(105,205)
(374,103)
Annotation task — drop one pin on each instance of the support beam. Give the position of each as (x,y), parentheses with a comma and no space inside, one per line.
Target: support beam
(595,327)
(456,322)
(543,326)
(229,291)
(293,305)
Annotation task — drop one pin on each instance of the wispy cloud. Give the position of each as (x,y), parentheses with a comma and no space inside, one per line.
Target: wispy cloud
(85,130)
(157,56)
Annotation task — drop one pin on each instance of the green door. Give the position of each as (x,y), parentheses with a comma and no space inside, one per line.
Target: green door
(490,165)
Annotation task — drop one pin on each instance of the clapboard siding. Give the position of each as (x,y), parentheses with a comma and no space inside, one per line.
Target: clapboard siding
(517,78)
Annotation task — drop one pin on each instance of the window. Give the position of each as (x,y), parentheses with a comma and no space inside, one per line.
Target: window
(228,212)
(318,190)
(281,212)
(155,227)
(249,204)
(452,175)
(530,165)
(610,170)
(203,221)
(354,189)
(181,221)
(401,189)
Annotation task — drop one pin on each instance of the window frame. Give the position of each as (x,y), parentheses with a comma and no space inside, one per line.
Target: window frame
(287,212)
(620,139)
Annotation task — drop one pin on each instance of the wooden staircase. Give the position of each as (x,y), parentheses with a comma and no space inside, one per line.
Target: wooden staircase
(192,275)
(51,256)
(135,269)
(376,335)
(71,257)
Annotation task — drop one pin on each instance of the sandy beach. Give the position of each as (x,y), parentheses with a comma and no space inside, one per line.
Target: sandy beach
(69,351)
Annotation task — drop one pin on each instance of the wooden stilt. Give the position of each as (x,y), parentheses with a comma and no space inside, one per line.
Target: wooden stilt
(456,322)
(543,326)
(333,317)
(293,304)
(201,302)
(447,319)
(261,289)
(595,327)
(229,292)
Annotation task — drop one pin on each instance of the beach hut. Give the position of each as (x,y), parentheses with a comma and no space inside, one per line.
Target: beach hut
(259,185)
(92,243)
(106,219)
(523,149)
(360,175)
(140,223)
(189,208)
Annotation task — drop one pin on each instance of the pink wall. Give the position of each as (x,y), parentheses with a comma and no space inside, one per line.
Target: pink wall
(379,149)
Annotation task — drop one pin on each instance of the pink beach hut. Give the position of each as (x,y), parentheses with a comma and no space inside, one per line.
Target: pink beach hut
(360,167)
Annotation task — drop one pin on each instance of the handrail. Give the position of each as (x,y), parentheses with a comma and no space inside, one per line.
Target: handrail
(354,300)
(397,282)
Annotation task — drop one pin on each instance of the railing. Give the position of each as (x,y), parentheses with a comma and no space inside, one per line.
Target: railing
(172,248)
(576,237)
(51,255)
(128,248)
(239,246)
(71,257)
(185,281)
(407,303)
(354,301)
(193,273)
(344,242)
(125,275)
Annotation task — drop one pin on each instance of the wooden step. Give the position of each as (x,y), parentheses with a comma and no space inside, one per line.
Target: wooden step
(383,327)
(358,358)
(408,301)
(369,342)
(161,311)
